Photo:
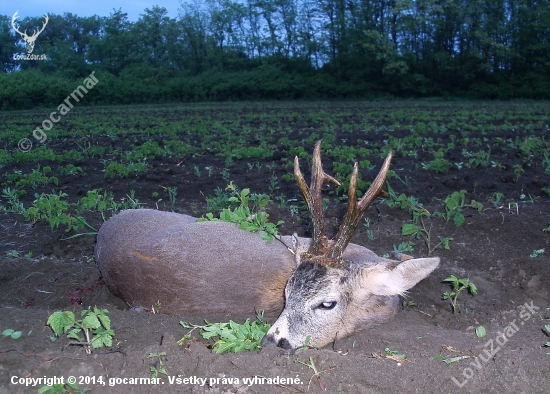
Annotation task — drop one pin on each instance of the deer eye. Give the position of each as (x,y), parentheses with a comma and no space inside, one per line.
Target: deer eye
(327,305)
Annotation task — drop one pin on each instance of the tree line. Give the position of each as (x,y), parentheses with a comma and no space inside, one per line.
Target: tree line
(271,49)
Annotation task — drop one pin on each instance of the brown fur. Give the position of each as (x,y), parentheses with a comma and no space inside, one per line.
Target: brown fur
(147,256)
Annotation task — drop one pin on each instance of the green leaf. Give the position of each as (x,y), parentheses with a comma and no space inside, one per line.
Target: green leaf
(73,334)
(16,335)
(409,229)
(102,339)
(445,243)
(61,321)
(8,332)
(221,346)
(458,219)
(91,321)
(105,321)
(481,332)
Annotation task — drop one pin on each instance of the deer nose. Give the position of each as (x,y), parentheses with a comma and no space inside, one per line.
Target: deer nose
(269,340)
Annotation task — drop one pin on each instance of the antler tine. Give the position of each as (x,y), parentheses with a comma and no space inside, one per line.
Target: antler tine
(314,199)
(356,209)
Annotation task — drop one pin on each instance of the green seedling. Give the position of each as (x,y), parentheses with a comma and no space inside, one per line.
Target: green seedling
(12,196)
(458,286)
(95,324)
(454,205)
(62,388)
(481,332)
(316,373)
(537,253)
(158,367)
(172,193)
(306,344)
(123,170)
(404,247)
(393,353)
(438,165)
(425,233)
(12,333)
(495,199)
(13,254)
(231,337)
(453,360)
(252,219)
(518,170)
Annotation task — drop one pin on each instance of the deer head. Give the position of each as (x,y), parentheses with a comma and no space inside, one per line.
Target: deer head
(29,40)
(331,294)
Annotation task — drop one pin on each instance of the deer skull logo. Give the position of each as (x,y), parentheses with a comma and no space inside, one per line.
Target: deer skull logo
(29,40)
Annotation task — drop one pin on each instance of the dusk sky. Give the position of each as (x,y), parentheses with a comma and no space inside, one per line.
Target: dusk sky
(86,8)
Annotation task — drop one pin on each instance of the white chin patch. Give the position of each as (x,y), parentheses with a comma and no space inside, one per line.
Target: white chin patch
(280,329)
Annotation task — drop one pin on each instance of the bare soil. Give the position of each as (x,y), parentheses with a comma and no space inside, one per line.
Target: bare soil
(492,249)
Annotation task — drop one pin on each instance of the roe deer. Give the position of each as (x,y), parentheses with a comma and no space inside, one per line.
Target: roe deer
(328,289)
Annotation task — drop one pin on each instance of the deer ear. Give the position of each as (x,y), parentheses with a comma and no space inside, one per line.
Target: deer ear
(386,282)
(298,246)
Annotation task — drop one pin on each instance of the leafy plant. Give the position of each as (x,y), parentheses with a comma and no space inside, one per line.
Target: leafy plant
(518,170)
(12,196)
(54,209)
(231,337)
(158,367)
(172,193)
(71,169)
(495,198)
(458,286)
(95,200)
(63,388)
(13,254)
(454,205)
(438,164)
(393,353)
(537,253)
(95,324)
(123,170)
(425,233)
(248,218)
(12,333)
(404,247)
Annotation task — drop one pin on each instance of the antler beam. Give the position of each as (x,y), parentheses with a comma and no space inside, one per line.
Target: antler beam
(312,196)
(356,209)
(319,250)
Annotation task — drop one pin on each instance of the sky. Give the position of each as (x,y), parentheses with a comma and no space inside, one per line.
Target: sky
(85,8)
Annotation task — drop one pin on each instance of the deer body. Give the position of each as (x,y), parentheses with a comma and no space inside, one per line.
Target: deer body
(325,289)
(147,256)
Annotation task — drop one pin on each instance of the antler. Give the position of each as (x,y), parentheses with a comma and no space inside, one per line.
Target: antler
(314,199)
(43,25)
(319,251)
(13,19)
(24,35)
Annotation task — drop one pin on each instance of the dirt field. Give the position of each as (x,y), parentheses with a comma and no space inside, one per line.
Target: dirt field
(492,248)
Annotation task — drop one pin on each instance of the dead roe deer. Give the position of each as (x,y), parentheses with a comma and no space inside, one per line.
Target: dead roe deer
(328,289)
